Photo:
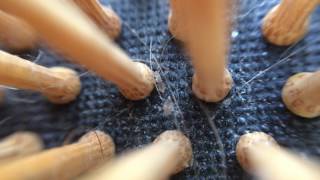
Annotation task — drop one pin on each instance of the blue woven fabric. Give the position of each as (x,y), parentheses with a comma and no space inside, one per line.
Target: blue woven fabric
(259,70)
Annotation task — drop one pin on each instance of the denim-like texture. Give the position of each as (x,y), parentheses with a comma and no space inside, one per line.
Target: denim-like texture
(259,71)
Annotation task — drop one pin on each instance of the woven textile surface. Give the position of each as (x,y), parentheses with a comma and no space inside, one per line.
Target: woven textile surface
(259,70)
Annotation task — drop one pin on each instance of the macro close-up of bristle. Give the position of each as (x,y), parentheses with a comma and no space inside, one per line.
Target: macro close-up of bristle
(160,89)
